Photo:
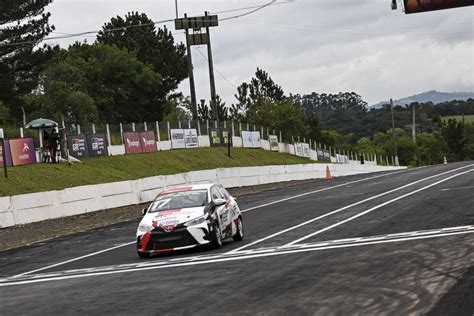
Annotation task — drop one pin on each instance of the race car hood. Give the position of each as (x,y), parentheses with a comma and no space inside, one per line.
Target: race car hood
(172,217)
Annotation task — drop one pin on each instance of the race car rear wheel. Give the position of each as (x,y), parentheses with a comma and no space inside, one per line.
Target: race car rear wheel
(239,235)
(143,255)
(216,236)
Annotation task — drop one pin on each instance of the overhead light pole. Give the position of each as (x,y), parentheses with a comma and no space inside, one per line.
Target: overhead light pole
(176,7)
(395,149)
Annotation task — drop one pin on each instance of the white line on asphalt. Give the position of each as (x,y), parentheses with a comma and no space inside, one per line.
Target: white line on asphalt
(75,259)
(246,210)
(460,188)
(319,190)
(275,251)
(342,209)
(374,208)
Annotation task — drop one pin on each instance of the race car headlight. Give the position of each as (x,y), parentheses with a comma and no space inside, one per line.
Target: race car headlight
(143,228)
(197,221)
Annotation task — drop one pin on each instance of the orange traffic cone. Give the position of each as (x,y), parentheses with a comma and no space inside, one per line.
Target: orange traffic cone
(445,160)
(328,173)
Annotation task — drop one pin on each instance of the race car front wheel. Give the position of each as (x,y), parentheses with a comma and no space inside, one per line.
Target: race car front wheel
(239,235)
(143,254)
(216,236)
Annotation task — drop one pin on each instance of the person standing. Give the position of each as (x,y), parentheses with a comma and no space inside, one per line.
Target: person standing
(53,144)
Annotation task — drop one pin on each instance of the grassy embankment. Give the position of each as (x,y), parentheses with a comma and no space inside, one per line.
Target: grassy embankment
(45,177)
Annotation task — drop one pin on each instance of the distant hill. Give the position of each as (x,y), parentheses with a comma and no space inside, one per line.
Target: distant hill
(433,96)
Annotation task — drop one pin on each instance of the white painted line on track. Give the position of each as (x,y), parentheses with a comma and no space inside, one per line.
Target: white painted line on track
(342,209)
(374,208)
(258,253)
(75,259)
(319,190)
(460,188)
(246,210)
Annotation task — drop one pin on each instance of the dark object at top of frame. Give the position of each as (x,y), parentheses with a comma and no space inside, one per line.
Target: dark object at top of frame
(196,22)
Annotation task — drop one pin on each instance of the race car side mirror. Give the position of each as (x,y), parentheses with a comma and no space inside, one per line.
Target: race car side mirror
(144,211)
(219,202)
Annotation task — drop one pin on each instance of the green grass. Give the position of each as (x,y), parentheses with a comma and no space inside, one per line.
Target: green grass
(46,177)
(467,118)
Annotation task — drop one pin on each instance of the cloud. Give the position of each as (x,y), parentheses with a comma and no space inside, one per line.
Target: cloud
(308,45)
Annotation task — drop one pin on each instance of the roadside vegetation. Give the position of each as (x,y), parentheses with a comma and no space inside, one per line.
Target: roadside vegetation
(46,177)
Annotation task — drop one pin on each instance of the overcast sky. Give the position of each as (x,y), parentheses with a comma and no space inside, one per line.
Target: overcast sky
(322,46)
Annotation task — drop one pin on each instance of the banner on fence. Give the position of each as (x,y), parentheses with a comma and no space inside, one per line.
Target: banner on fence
(323,154)
(8,156)
(191,138)
(299,149)
(132,143)
(251,139)
(273,139)
(78,146)
(22,151)
(97,145)
(306,150)
(148,142)
(342,158)
(220,137)
(177,138)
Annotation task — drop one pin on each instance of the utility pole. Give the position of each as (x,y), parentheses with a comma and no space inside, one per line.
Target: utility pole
(211,74)
(191,74)
(176,6)
(395,149)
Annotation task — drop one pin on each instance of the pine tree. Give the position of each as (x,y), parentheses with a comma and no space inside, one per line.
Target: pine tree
(23,24)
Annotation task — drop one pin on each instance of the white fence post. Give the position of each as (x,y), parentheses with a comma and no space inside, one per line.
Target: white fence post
(199,127)
(78,130)
(145,127)
(133,127)
(107,128)
(93,128)
(121,133)
(169,129)
(158,131)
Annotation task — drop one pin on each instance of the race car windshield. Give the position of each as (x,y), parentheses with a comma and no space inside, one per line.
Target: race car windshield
(178,200)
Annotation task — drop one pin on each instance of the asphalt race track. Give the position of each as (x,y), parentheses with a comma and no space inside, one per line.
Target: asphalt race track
(387,243)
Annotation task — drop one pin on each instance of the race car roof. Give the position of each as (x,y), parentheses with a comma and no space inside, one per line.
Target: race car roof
(205,186)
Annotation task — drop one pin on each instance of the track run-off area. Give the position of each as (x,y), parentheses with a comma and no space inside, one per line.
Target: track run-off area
(386,243)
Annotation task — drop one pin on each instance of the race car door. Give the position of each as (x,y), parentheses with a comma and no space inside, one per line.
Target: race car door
(223,211)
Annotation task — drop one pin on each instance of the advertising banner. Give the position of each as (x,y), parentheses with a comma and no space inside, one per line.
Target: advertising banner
(323,155)
(226,137)
(273,139)
(214,137)
(342,158)
(177,138)
(191,138)
(97,145)
(22,151)
(148,142)
(220,137)
(251,139)
(306,150)
(299,149)
(78,146)
(415,6)
(8,155)
(132,143)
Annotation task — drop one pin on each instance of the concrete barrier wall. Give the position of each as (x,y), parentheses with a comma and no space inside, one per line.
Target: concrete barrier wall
(29,208)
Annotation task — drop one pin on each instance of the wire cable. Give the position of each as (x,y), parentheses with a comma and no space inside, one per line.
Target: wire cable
(215,68)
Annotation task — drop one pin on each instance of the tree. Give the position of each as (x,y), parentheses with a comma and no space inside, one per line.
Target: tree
(205,112)
(260,91)
(23,24)
(155,47)
(110,81)
(453,134)
(282,116)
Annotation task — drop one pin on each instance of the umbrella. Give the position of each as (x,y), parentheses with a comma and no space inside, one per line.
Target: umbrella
(41,123)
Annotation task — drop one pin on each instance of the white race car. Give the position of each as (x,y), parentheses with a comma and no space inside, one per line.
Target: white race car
(186,217)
